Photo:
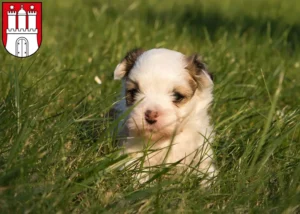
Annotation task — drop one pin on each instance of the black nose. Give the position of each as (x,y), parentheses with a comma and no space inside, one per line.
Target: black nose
(151,116)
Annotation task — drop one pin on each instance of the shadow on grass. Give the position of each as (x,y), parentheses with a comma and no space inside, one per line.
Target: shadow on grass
(195,21)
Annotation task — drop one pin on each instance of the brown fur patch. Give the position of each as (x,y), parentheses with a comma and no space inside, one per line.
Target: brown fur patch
(186,91)
(196,69)
(192,84)
(130,59)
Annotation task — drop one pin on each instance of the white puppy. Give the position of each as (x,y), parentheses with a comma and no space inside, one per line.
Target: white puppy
(170,95)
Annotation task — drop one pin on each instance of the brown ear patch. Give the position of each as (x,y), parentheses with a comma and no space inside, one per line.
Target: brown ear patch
(198,71)
(131,58)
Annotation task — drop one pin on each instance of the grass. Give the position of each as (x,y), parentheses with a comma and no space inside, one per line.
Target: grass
(56,142)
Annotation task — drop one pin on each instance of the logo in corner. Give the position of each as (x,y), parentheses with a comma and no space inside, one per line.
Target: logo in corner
(22,27)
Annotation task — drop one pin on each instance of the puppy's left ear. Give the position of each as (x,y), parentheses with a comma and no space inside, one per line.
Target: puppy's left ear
(124,67)
(198,71)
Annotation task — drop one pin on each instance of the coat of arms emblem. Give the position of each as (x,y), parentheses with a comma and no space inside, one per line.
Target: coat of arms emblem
(22,27)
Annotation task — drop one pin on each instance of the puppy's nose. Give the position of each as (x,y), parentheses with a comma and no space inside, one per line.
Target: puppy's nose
(151,116)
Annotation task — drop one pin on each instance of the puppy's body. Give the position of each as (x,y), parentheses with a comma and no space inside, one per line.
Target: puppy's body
(171,94)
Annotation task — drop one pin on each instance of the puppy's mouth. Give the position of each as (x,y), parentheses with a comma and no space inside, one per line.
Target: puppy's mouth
(155,132)
(149,130)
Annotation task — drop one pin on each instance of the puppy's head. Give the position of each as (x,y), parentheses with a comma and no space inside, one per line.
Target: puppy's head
(168,89)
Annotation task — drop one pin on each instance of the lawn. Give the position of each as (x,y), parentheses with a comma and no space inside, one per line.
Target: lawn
(57,144)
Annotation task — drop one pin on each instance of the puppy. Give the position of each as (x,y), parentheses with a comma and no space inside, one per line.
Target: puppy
(169,94)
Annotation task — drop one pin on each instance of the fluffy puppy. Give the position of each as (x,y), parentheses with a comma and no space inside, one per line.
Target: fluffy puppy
(169,94)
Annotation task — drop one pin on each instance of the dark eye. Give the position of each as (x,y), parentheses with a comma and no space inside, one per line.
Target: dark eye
(132,92)
(178,97)
(130,96)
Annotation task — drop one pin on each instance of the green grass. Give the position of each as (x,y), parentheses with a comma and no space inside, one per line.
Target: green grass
(56,142)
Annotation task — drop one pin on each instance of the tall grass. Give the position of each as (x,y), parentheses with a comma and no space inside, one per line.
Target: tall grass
(57,143)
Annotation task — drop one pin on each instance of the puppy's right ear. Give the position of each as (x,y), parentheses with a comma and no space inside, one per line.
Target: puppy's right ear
(198,71)
(124,67)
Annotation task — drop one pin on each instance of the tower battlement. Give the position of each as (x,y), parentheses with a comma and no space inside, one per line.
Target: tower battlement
(23,31)
(11,13)
(32,13)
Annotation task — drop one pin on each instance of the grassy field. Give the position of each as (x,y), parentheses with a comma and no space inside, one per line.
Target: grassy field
(56,142)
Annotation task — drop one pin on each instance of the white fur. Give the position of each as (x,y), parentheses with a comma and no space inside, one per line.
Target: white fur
(186,128)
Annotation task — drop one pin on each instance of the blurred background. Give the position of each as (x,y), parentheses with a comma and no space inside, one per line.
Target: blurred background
(56,141)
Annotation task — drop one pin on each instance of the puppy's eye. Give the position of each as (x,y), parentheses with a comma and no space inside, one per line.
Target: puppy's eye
(130,96)
(132,92)
(178,97)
